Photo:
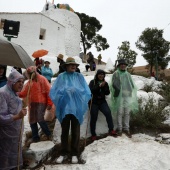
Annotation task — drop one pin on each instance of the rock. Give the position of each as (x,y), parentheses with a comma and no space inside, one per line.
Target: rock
(158,139)
(38,152)
(165,136)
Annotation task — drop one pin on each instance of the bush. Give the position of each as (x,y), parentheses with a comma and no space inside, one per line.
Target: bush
(165,92)
(149,116)
(148,87)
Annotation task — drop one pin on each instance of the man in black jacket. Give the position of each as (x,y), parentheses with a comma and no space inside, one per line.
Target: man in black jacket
(99,89)
(62,62)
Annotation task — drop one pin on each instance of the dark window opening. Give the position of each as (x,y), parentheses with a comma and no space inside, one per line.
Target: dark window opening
(42,34)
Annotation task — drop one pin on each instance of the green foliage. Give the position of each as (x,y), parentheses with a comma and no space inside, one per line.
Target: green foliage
(149,116)
(126,53)
(155,48)
(165,91)
(55,75)
(148,87)
(89,28)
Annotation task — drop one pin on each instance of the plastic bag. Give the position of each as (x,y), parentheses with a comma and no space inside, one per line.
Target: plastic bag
(49,114)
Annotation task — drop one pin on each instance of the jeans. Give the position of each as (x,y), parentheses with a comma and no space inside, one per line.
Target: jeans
(34,128)
(75,135)
(104,108)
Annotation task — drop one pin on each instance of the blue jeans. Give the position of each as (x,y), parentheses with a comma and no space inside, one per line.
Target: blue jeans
(34,128)
(104,108)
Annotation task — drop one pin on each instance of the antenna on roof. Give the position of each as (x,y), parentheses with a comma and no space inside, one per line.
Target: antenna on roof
(167,26)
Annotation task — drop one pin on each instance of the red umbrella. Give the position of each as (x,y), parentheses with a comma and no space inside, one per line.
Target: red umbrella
(39,53)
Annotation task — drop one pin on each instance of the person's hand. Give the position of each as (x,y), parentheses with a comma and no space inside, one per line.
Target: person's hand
(49,107)
(102,84)
(21,114)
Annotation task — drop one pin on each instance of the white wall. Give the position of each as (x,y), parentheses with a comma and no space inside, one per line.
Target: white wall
(62,35)
(72,24)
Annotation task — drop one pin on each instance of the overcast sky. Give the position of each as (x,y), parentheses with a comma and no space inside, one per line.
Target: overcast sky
(122,20)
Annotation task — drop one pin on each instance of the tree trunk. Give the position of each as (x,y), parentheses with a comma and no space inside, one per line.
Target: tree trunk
(83,41)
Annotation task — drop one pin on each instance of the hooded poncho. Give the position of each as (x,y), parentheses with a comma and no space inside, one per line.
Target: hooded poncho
(70,94)
(122,86)
(10,105)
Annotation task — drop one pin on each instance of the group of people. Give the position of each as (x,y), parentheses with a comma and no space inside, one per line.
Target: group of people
(43,68)
(90,62)
(72,97)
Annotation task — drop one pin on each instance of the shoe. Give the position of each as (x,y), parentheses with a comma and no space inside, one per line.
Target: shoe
(119,133)
(127,133)
(74,160)
(46,138)
(60,159)
(113,133)
(93,138)
(50,138)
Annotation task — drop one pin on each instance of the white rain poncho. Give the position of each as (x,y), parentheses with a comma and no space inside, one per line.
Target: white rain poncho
(10,129)
(70,94)
(122,86)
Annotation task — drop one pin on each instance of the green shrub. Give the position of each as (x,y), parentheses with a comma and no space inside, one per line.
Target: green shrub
(149,116)
(55,75)
(148,87)
(165,91)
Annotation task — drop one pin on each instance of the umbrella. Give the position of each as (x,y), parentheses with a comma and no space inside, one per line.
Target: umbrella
(12,54)
(39,53)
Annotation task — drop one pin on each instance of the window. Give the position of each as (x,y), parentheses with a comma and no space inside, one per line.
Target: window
(42,34)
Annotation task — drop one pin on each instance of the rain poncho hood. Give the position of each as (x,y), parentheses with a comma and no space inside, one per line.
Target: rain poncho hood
(70,94)
(99,71)
(14,76)
(122,86)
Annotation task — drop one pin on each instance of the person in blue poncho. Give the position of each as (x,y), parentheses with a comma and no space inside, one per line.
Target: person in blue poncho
(46,71)
(70,94)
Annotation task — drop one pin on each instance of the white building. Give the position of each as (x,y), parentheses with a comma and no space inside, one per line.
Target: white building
(55,30)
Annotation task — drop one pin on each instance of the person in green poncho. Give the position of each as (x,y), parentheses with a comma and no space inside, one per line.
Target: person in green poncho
(123,97)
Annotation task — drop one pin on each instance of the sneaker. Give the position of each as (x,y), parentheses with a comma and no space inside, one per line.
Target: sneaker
(113,133)
(93,138)
(74,160)
(127,133)
(60,159)
(119,133)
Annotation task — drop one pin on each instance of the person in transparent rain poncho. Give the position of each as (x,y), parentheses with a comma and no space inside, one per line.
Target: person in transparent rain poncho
(123,97)
(70,94)
(11,127)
